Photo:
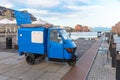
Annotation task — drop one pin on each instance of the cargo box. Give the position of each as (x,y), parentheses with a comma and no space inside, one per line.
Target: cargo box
(32,40)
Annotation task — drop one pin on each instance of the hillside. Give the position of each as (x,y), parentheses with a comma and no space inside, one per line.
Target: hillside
(9,14)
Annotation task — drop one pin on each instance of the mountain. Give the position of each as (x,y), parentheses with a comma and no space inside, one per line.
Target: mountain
(6,13)
(101,29)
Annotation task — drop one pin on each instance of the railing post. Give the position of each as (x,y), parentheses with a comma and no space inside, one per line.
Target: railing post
(110,47)
(118,65)
(113,54)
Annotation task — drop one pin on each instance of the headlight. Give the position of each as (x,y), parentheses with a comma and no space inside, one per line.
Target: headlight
(70,50)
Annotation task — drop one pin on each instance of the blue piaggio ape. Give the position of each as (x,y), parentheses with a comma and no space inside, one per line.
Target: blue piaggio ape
(39,42)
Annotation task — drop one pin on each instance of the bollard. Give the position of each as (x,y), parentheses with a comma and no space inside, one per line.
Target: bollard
(118,65)
(108,40)
(113,55)
(9,42)
(110,47)
(111,36)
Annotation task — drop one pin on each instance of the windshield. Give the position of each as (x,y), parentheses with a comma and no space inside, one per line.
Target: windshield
(64,34)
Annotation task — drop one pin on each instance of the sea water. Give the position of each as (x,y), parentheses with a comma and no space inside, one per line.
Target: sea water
(84,35)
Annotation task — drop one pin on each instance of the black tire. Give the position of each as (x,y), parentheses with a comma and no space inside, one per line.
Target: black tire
(30,60)
(71,62)
(43,58)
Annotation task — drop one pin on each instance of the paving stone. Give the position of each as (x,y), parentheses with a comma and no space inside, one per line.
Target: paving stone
(4,55)
(52,67)
(64,69)
(13,79)
(40,66)
(51,76)
(31,74)
(4,67)
(23,64)
(3,77)
(15,72)
(11,61)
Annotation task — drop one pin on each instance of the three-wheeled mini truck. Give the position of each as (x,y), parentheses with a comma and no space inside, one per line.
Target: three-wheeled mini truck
(39,42)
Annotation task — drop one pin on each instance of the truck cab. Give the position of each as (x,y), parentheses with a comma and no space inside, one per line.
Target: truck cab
(60,46)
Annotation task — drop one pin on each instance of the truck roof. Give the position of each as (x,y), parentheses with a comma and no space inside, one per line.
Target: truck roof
(37,25)
(54,28)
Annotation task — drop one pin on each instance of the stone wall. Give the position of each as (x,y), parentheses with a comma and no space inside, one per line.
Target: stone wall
(8,28)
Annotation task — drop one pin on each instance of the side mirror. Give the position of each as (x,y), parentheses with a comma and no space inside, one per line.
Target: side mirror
(60,35)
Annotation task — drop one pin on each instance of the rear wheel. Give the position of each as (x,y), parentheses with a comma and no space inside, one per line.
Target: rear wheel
(30,59)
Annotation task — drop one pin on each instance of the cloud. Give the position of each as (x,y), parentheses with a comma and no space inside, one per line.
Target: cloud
(91,7)
(85,1)
(6,4)
(58,17)
(43,13)
(9,5)
(43,3)
(36,12)
(73,2)
(31,3)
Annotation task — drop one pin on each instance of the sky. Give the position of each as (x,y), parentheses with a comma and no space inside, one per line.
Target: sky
(92,13)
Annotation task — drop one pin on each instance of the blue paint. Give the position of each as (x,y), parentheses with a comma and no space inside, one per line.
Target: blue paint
(22,18)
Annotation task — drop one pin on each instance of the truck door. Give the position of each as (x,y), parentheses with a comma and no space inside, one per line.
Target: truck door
(55,45)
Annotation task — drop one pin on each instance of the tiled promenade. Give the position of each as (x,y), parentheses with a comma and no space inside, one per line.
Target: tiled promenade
(14,67)
(101,69)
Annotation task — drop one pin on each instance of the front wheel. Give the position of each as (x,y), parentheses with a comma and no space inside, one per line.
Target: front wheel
(71,62)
